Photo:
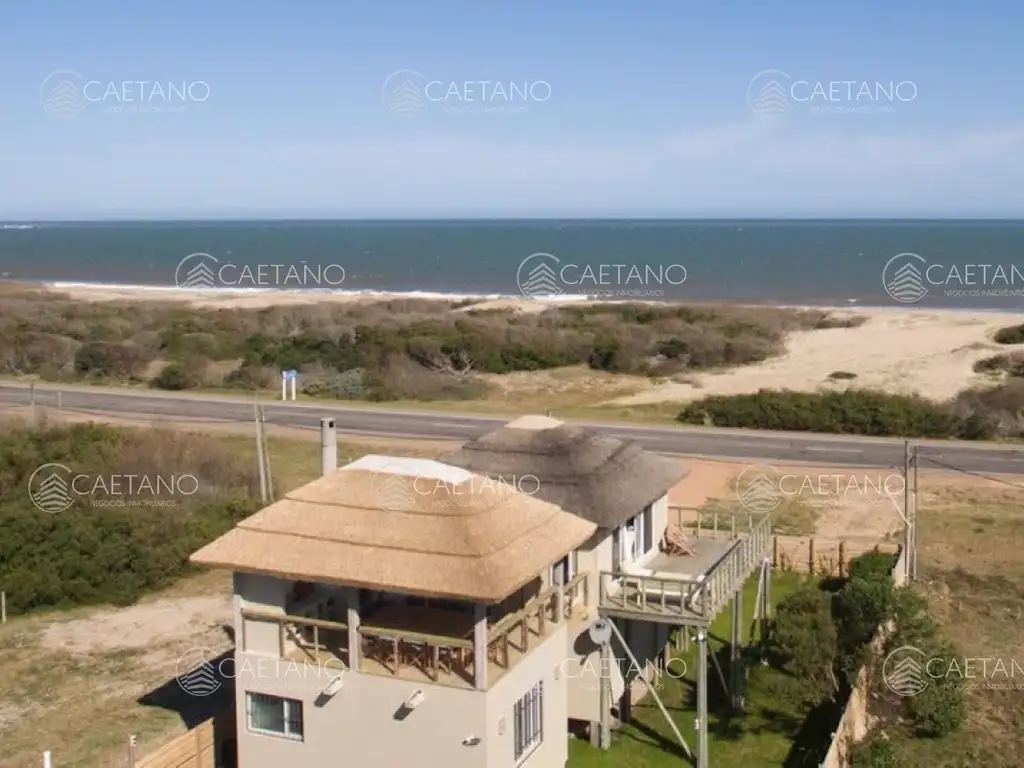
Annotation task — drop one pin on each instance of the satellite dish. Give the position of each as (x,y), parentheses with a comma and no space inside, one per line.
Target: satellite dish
(334,686)
(600,632)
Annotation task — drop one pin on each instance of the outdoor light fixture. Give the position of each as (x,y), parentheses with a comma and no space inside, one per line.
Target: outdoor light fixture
(334,686)
(415,700)
(471,741)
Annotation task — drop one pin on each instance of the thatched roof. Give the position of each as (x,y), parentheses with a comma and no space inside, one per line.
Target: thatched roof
(405,525)
(601,479)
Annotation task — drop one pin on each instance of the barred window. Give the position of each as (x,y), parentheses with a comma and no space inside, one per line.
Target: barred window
(529,722)
(274,716)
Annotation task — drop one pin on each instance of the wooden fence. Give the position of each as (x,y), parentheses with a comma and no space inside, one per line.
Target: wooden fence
(193,749)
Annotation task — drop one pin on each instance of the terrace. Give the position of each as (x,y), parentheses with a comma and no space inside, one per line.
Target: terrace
(686,589)
(421,643)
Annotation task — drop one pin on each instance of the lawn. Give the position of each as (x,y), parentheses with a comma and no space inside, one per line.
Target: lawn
(763,736)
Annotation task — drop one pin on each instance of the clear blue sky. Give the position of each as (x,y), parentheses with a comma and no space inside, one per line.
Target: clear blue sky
(648,113)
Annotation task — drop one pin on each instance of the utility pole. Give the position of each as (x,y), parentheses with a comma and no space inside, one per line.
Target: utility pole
(259,453)
(266,454)
(908,514)
(913,552)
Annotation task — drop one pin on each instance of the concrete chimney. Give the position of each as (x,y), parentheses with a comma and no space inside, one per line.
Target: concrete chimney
(328,447)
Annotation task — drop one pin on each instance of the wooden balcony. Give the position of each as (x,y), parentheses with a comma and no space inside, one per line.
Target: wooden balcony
(686,589)
(439,650)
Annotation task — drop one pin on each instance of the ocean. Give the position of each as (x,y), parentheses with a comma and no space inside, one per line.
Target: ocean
(950,264)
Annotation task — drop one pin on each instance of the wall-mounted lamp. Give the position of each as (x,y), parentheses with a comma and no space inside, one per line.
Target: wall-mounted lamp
(415,700)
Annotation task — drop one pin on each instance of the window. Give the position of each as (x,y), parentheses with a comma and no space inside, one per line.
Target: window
(561,572)
(274,715)
(529,722)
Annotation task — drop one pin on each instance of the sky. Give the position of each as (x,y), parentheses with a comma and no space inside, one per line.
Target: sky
(352,109)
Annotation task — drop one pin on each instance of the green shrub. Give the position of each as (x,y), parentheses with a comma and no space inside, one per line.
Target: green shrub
(876,751)
(1013,334)
(802,641)
(938,710)
(110,359)
(93,553)
(855,411)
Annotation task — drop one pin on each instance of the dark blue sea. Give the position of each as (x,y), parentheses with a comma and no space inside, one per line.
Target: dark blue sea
(965,264)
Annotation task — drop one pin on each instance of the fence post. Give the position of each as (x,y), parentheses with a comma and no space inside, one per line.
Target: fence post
(3,607)
(775,551)
(842,559)
(810,556)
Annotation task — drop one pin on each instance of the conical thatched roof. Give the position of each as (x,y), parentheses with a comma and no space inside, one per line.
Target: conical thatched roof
(601,479)
(406,525)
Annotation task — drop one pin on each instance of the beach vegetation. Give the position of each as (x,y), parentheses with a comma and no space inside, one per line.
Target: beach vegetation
(401,349)
(1011,334)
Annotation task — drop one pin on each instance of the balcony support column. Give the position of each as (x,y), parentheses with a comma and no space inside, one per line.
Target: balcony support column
(480,647)
(352,619)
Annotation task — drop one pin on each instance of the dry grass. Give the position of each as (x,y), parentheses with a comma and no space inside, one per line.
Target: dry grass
(972,571)
(80,682)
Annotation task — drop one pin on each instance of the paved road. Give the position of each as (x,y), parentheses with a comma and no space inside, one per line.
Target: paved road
(766,447)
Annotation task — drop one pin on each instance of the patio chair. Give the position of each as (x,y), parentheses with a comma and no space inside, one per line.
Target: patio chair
(676,542)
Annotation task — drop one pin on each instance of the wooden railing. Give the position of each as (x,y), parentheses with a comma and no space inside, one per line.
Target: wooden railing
(315,636)
(669,596)
(576,592)
(433,655)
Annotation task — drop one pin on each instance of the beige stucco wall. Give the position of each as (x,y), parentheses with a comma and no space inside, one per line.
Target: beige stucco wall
(357,726)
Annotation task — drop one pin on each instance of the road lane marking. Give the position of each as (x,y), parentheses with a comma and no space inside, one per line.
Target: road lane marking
(833,450)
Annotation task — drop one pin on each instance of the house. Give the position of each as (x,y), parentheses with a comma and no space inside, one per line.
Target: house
(404,611)
(393,612)
(621,489)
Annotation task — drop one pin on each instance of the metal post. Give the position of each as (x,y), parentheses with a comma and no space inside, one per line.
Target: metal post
(295,382)
(259,453)
(328,447)
(284,386)
(908,526)
(47,761)
(3,607)
(132,742)
(913,552)
(266,454)
(702,699)
(604,740)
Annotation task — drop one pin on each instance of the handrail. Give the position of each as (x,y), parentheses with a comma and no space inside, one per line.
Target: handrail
(422,638)
(526,611)
(285,618)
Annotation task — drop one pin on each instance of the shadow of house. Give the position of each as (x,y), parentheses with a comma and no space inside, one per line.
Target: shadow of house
(204,691)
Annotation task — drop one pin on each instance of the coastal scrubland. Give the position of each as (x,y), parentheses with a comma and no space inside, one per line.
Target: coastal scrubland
(755,367)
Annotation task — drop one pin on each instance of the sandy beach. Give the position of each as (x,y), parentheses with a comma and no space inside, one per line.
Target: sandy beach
(908,350)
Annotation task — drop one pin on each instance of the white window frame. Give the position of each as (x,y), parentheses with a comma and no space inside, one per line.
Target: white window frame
(288,707)
(528,723)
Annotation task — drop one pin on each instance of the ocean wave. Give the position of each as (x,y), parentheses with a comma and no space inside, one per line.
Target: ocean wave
(235,291)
